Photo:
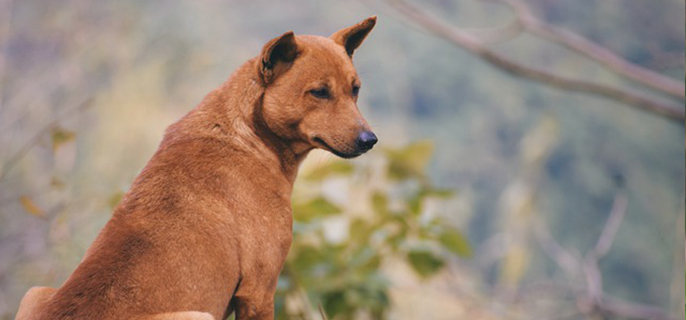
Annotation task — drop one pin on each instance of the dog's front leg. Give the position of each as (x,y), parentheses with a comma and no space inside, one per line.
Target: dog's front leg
(181,315)
(255,300)
(255,307)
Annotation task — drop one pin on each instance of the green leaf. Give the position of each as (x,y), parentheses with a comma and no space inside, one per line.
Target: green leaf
(315,208)
(306,257)
(335,303)
(60,136)
(424,262)
(415,204)
(364,260)
(359,230)
(409,161)
(334,168)
(114,199)
(439,193)
(371,265)
(454,241)
(380,203)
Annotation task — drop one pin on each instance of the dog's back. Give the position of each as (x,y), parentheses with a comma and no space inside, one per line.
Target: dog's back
(206,226)
(168,219)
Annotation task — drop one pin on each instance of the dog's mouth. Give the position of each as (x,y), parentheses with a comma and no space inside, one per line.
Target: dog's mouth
(326,146)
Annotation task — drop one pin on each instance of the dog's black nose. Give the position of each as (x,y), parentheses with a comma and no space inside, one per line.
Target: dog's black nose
(366,140)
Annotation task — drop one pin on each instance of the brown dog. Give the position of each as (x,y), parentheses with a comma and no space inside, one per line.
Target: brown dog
(206,226)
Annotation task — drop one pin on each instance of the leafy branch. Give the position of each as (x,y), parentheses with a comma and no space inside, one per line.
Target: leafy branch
(346,277)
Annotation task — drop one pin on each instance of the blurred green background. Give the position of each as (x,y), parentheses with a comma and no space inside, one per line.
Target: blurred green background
(485,198)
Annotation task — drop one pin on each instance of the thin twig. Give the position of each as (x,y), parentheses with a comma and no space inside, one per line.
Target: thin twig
(594,278)
(609,232)
(590,49)
(322,312)
(568,262)
(307,309)
(632,310)
(24,149)
(471,44)
(489,36)
(594,298)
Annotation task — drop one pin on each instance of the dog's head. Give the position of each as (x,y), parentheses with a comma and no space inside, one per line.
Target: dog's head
(311,89)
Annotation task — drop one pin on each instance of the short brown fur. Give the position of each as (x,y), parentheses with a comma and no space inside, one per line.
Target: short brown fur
(206,226)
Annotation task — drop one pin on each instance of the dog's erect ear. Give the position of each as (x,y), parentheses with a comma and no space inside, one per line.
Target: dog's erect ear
(351,37)
(277,56)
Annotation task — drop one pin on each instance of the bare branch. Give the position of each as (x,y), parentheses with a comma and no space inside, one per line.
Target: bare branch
(489,36)
(322,312)
(564,259)
(594,278)
(470,43)
(609,232)
(590,49)
(622,308)
(593,299)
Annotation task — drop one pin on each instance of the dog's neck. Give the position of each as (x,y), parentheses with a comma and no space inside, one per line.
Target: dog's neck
(233,113)
(290,153)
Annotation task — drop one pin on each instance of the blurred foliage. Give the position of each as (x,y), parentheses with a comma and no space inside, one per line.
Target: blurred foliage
(60,136)
(345,275)
(31,207)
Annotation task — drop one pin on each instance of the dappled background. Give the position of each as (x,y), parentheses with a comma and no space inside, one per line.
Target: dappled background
(530,164)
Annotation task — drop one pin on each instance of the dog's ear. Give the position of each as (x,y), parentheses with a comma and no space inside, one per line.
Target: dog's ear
(277,56)
(351,37)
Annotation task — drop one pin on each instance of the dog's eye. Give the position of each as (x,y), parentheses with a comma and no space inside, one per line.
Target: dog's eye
(356,90)
(321,93)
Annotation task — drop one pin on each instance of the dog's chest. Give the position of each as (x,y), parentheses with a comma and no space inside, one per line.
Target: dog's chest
(265,223)
(265,239)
